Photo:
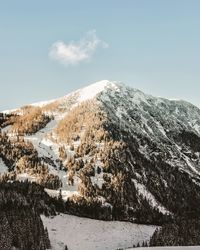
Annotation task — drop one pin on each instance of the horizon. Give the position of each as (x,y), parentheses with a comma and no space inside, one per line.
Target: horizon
(49,50)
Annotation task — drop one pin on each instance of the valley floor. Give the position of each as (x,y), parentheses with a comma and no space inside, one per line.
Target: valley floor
(167,248)
(82,233)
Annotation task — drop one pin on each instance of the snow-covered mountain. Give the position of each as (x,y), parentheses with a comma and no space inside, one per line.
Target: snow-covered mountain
(111,146)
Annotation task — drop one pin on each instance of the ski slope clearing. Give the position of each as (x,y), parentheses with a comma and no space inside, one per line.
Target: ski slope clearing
(82,233)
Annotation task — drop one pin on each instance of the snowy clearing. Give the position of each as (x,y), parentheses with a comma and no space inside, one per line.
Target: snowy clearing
(65,193)
(87,234)
(167,248)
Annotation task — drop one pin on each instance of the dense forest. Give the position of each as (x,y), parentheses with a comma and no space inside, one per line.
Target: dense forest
(181,232)
(21,204)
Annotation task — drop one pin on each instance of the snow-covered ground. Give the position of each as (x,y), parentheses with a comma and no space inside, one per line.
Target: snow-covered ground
(66,193)
(3,167)
(167,248)
(87,234)
(25,176)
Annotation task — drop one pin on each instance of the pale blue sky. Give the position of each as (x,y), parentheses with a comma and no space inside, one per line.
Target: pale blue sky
(154,45)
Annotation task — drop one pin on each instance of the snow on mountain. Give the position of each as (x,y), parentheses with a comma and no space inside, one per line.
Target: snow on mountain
(93,90)
(155,118)
(160,136)
(145,193)
(3,167)
(113,153)
(131,108)
(83,94)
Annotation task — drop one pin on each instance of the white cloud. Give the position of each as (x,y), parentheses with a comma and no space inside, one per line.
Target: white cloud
(73,53)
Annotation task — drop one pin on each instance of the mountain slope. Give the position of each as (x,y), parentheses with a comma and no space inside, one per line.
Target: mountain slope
(112,148)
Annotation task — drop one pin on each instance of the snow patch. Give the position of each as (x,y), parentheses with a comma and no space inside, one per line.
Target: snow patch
(149,196)
(92,90)
(3,167)
(65,193)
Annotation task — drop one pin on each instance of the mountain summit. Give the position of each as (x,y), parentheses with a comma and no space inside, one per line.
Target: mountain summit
(109,147)
(86,93)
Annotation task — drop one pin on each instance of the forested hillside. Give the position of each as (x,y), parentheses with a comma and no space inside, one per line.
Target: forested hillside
(110,152)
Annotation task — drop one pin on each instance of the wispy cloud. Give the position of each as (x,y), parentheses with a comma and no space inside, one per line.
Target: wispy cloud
(73,53)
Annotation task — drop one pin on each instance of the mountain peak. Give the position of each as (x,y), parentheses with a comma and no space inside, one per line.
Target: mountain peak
(85,93)
(96,88)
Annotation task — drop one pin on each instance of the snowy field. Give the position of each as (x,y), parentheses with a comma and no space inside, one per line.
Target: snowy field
(166,248)
(87,234)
